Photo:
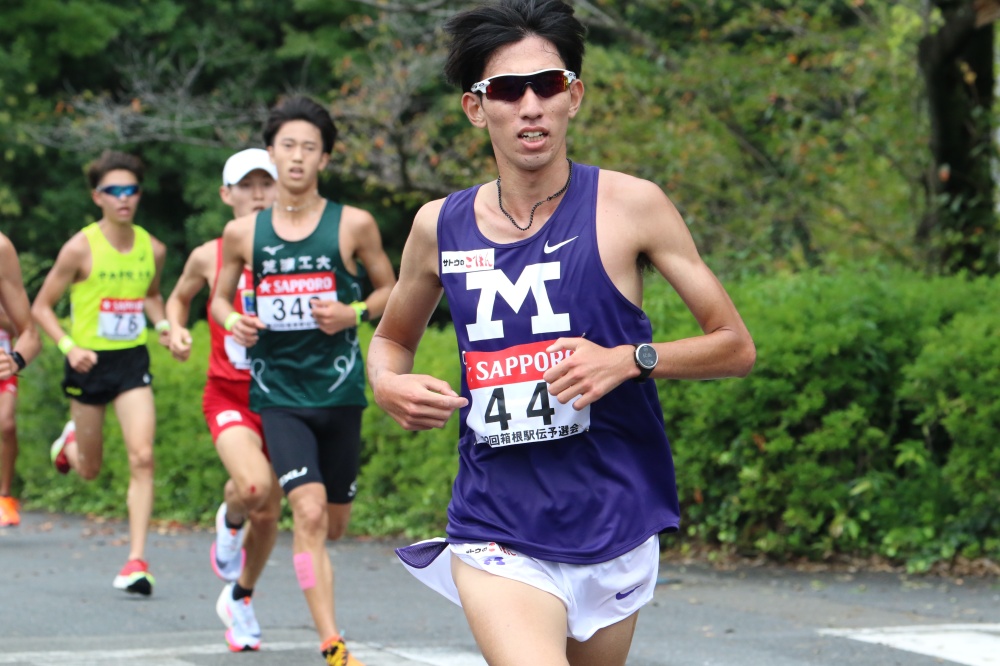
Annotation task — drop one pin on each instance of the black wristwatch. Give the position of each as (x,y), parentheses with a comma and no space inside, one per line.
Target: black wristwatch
(646,359)
(18,360)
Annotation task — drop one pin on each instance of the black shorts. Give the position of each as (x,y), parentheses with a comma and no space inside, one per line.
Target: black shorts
(117,371)
(315,445)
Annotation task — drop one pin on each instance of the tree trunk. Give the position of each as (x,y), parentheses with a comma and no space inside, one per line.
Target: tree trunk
(960,230)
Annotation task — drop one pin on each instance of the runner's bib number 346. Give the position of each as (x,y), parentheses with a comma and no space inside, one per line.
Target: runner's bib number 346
(510,400)
(283,301)
(121,318)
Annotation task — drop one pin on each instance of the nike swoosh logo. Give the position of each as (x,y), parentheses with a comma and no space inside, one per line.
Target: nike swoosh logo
(621,595)
(272,250)
(549,249)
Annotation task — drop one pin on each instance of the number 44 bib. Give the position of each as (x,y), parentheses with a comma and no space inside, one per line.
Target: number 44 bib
(510,400)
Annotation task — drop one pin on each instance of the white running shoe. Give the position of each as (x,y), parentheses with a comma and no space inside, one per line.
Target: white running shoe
(238,616)
(227,552)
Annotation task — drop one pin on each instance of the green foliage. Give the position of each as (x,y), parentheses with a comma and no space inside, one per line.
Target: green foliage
(789,134)
(820,450)
(952,387)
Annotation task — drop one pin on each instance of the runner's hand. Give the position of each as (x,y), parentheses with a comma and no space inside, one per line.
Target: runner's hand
(246,330)
(418,402)
(590,371)
(180,343)
(82,360)
(7,366)
(333,316)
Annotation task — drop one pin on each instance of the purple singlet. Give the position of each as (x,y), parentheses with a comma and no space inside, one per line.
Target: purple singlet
(555,483)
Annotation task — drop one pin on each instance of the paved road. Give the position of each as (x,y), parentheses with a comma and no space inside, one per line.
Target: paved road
(57,607)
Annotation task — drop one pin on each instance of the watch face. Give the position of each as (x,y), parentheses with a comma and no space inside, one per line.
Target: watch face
(646,355)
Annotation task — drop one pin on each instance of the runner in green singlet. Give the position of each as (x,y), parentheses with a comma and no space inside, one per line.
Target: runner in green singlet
(307,374)
(112,269)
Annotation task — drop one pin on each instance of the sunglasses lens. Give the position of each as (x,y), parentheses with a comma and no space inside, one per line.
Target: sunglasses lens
(117,191)
(510,87)
(549,83)
(506,88)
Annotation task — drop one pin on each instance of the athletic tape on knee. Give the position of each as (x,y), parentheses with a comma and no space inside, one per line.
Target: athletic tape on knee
(304,570)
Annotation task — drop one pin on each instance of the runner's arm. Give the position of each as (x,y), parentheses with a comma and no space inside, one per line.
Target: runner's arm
(416,402)
(69,265)
(645,222)
(178,308)
(15,303)
(62,274)
(371,253)
(237,252)
(154,298)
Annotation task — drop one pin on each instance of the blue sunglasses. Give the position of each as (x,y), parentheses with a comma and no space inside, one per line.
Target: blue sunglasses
(119,191)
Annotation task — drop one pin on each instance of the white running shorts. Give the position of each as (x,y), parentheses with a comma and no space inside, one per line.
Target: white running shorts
(595,595)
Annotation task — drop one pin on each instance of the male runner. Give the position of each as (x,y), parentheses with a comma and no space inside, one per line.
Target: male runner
(252,492)
(15,322)
(306,366)
(565,474)
(112,270)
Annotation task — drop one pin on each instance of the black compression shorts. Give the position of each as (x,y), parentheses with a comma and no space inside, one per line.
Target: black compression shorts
(315,445)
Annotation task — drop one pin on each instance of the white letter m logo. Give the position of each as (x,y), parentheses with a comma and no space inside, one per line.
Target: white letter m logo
(494,282)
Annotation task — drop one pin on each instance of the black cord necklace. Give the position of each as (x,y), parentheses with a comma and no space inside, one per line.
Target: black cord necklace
(531,218)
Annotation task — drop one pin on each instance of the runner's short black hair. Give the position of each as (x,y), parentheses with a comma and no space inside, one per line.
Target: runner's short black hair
(111,160)
(301,108)
(477,33)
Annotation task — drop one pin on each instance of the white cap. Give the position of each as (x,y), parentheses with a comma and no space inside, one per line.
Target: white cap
(245,161)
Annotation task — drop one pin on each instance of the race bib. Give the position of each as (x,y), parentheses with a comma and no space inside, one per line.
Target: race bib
(121,318)
(510,400)
(238,355)
(5,341)
(283,301)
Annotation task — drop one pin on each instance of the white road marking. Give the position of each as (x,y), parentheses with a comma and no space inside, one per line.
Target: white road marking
(969,644)
(439,657)
(173,656)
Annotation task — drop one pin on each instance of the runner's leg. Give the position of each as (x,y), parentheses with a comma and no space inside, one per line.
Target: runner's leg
(252,493)
(309,512)
(262,536)
(608,647)
(85,450)
(8,440)
(513,623)
(338,517)
(137,417)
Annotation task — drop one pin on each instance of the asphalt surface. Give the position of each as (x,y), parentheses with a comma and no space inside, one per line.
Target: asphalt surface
(57,606)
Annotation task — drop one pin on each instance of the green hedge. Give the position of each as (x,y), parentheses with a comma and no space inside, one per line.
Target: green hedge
(867,427)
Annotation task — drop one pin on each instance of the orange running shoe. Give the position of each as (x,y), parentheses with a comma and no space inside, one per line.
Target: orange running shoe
(336,654)
(9,512)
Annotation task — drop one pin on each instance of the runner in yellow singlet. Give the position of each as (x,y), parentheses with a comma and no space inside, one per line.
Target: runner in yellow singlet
(112,269)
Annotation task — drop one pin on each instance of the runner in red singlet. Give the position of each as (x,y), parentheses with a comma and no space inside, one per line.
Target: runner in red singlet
(252,494)
(15,322)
